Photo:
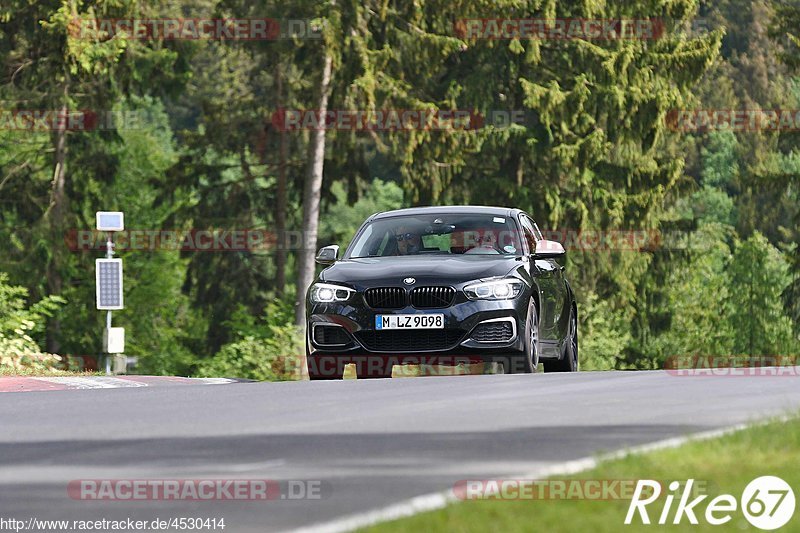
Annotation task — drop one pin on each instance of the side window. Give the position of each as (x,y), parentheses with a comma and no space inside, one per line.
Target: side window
(536,232)
(527,231)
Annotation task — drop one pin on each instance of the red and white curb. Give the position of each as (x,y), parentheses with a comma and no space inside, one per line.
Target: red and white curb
(34,384)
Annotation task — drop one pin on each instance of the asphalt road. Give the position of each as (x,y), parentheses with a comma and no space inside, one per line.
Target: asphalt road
(369,443)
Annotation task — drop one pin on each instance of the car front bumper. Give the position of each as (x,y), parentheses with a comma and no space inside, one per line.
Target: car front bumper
(456,341)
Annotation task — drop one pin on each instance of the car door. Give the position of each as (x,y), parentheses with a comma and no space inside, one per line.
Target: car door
(549,275)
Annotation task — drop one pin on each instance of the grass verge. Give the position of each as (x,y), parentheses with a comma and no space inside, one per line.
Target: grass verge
(724,465)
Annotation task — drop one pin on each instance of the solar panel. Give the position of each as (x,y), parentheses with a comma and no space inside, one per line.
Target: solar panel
(108,275)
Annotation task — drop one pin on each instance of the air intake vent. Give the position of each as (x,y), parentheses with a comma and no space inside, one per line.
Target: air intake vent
(330,335)
(418,340)
(432,297)
(493,332)
(386,298)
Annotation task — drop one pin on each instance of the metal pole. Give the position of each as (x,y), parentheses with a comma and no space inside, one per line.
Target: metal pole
(109,255)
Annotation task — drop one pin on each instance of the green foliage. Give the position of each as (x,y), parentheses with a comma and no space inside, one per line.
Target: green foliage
(268,349)
(720,160)
(770,447)
(343,218)
(593,152)
(726,303)
(758,276)
(20,353)
(711,204)
(698,298)
(18,322)
(158,315)
(159,320)
(784,29)
(604,334)
(719,170)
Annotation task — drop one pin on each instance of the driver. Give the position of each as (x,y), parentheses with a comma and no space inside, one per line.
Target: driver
(487,240)
(408,240)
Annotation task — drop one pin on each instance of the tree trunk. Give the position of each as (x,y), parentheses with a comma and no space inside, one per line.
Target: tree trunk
(280,210)
(311,197)
(56,218)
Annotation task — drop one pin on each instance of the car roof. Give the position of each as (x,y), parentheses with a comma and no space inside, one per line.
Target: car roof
(443,209)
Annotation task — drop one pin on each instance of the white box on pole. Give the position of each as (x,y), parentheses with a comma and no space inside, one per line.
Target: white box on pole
(114,340)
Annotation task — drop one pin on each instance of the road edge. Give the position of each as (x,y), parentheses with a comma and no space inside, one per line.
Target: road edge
(438,500)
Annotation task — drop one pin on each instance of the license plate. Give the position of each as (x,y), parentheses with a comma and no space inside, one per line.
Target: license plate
(409,321)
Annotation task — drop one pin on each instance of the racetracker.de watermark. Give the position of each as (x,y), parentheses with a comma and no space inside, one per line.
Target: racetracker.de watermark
(732,366)
(197,489)
(552,489)
(189,240)
(736,120)
(560,29)
(174,523)
(217,29)
(332,364)
(75,120)
(398,119)
(262,240)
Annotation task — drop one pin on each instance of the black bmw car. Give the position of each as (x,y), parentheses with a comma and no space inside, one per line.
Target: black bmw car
(442,285)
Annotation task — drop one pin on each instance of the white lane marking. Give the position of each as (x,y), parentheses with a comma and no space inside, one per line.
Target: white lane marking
(438,500)
(101,382)
(213,381)
(95,382)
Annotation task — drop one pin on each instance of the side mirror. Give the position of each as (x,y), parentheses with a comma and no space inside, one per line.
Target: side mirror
(548,249)
(328,255)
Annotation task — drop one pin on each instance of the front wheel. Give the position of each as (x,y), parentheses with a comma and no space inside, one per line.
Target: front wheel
(527,362)
(569,362)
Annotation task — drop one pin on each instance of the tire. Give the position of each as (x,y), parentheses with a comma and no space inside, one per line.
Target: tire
(527,363)
(570,361)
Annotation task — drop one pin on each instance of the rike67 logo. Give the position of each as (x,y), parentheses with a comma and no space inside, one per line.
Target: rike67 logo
(767,502)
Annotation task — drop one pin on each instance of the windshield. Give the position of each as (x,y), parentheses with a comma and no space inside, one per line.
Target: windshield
(440,234)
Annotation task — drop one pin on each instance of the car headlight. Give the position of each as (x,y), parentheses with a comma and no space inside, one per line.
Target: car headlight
(502,289)
(326,293)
